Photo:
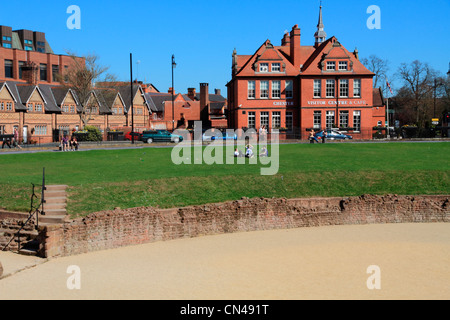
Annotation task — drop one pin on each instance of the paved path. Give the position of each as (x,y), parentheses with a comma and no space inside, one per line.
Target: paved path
(306,263)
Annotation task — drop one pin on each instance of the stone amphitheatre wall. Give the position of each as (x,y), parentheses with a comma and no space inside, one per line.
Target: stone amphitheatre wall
(118,228)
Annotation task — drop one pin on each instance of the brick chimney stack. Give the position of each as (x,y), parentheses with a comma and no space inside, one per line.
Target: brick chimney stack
(295,46)
(171,90)
(286,41)
(30,73)
(191,93)
(217,92)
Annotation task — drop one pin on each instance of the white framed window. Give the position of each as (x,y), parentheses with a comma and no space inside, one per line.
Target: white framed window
(40,130)
(251,89)
(263,67)
(264,119)
(276,119)
(357,120)
(330,89)
(317,88)
(343,119)
(38,107)
(30,107)
(276,67)
(330,119)
(289,89)
(331,65)
(65,108)
(343,88)
(317,120)
(343,65)
(264,90)
(9,106)
(2,106)
(289,121)
(357,88)
(251,119)
(64,129)
(72,109)
(276,89)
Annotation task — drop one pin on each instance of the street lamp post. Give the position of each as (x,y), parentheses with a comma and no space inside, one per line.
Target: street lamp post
(435,87)
(173,90)
(131,95)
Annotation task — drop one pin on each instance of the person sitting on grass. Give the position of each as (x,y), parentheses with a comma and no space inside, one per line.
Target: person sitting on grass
(264,152)
(238,153)
(249,151)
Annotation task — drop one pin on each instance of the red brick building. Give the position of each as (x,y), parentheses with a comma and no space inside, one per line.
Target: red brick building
(33,100)
(188,108)
(300,87)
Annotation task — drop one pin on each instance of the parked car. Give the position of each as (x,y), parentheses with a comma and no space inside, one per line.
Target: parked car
(160,136)
(136,136)
(334,135)
(216,134)
(207,136)
(225,136)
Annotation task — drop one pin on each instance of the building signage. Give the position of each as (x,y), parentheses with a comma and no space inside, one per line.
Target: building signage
(283,103)
(341,103)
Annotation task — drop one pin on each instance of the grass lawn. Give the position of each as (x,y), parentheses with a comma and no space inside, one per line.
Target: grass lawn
(105,179)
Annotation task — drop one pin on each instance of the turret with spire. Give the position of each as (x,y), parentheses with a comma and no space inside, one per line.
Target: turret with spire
(320,34)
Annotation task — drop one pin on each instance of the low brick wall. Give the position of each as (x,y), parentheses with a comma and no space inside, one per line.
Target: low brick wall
(118,228)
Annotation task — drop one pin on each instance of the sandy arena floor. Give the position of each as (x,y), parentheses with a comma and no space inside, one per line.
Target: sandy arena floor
(308,263)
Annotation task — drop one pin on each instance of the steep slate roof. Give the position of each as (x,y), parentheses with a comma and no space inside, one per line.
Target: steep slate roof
(11,86)
(310,58)
(106,98)
(156,100)
(266,52)
(125,92)
(212,97)
(50,105)
(333,49)
(25,92)
(216,106)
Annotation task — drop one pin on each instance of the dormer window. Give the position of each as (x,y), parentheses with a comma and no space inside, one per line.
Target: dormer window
(343,65)
(331,65)
(263,67)
(276,67)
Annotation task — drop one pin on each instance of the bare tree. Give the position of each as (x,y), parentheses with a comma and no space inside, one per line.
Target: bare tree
(378,66)
(418,80)
(81,78)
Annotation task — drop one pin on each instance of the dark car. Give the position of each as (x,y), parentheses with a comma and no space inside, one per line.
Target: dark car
(136,136)
(160,136)
(333,135)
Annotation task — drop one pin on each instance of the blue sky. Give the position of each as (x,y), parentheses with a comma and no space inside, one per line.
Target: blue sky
(202,34)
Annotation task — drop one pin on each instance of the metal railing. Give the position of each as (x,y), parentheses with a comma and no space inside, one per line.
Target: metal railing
(34,210)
